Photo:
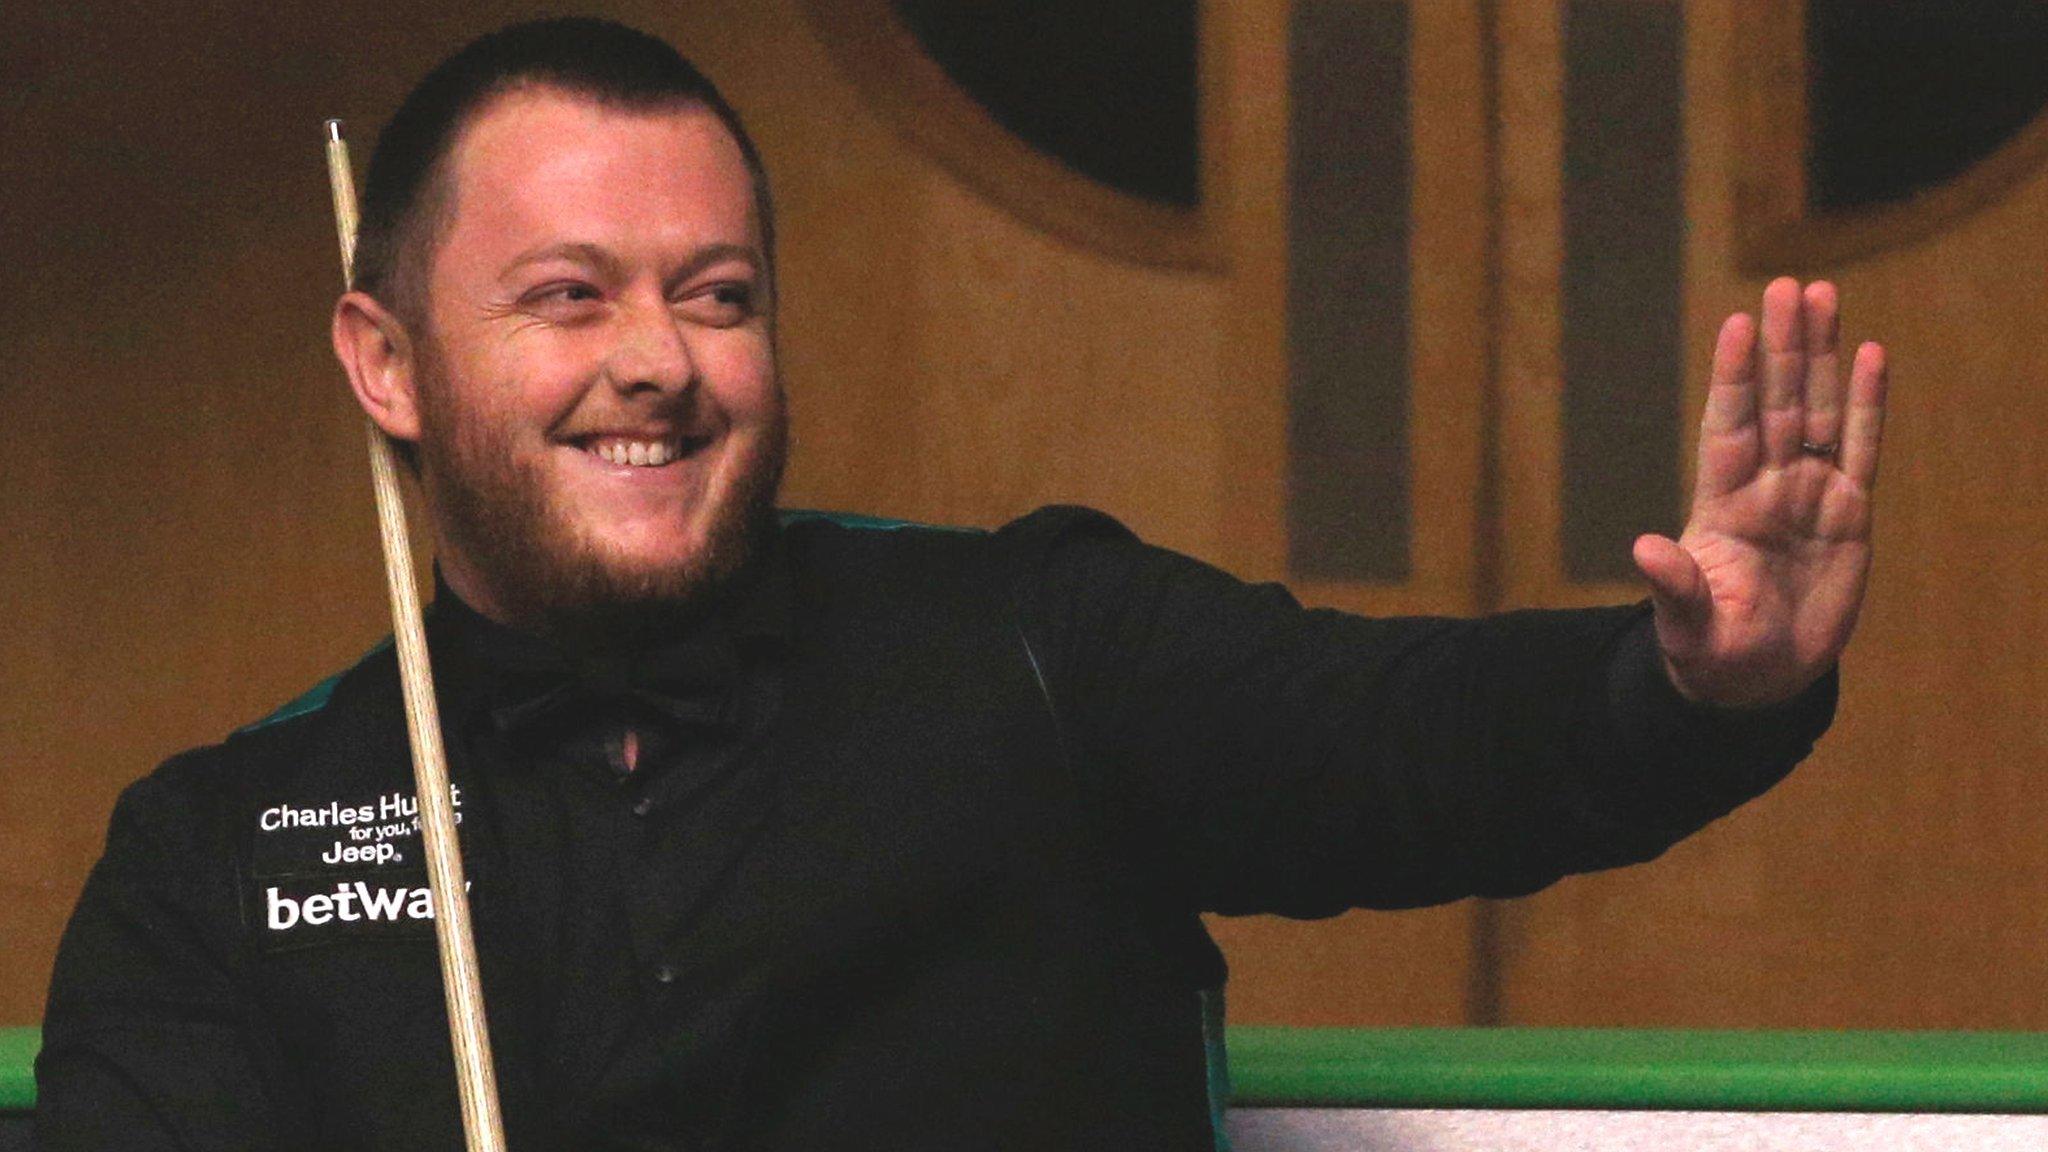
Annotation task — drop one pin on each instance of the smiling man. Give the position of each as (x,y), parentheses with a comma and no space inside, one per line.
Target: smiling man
(800,832)
(580,341)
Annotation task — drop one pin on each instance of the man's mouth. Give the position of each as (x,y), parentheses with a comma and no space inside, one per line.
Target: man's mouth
(641,452)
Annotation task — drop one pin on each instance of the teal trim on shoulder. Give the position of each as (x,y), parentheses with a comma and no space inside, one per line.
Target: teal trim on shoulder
(1216,1057)
(859,522)
(1708,1071)
(18,1048)
(312,699)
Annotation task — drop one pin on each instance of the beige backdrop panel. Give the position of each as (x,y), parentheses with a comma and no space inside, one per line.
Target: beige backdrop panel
(1364,968)
(1895,881)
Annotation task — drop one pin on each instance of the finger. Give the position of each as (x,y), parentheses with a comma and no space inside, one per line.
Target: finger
(1678,590)
(1823,386)
(1781,369)
(1728,428)
(1863,423)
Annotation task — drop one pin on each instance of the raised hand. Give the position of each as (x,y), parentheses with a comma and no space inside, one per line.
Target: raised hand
(1758,596)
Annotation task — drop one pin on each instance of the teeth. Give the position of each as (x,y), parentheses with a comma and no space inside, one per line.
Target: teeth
(637,453)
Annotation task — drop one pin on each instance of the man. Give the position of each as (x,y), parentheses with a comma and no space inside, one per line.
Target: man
(817,835)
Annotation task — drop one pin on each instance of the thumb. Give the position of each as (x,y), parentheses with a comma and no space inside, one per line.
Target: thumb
(1678,590)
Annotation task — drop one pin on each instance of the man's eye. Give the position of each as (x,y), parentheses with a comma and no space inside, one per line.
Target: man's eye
(571,294)
(721,304)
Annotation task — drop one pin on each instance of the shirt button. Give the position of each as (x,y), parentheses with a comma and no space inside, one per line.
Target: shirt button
(642,806)
(666,974)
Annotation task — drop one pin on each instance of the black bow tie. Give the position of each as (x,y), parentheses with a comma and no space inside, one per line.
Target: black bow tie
(689,683)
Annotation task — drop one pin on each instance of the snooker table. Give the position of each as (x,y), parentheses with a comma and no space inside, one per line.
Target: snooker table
(1531,1089)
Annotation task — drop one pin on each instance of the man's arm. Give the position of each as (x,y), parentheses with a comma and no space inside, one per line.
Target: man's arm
(1256,756)
(1266,758)
(147,1041)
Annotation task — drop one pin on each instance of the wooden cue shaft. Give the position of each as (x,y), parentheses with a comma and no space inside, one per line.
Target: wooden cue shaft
(483,1127)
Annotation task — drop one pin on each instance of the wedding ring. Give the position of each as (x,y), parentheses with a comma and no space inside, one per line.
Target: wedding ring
(1812,449)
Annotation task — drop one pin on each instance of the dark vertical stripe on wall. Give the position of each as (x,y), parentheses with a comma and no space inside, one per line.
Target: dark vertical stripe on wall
(1347,294)
(1624,232)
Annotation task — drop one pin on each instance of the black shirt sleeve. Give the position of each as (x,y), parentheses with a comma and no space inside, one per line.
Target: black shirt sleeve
(1262,757)
(146,1043)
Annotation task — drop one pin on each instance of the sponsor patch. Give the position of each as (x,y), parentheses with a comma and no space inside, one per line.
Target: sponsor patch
(381,831)
(309,911)
(349,868)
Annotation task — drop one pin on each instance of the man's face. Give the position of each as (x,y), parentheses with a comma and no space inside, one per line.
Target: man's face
(601,423)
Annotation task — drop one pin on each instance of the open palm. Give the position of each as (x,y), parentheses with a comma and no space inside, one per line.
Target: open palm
(1757,598)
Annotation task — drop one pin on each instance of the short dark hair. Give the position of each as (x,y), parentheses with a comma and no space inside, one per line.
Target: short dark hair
(609,63)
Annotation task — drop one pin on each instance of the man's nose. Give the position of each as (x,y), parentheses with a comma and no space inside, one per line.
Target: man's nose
(651,354)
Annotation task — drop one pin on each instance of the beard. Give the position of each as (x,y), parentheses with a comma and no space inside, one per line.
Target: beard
(548,573)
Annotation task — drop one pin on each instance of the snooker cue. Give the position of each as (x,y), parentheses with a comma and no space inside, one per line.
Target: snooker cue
(483,1128)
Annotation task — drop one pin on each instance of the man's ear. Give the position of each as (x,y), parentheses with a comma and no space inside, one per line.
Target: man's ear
(377,353)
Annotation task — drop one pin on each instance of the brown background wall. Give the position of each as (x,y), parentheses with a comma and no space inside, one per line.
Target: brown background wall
(187,535)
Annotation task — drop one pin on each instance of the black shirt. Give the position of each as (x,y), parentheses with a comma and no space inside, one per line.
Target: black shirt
(619,793)
(937,885)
